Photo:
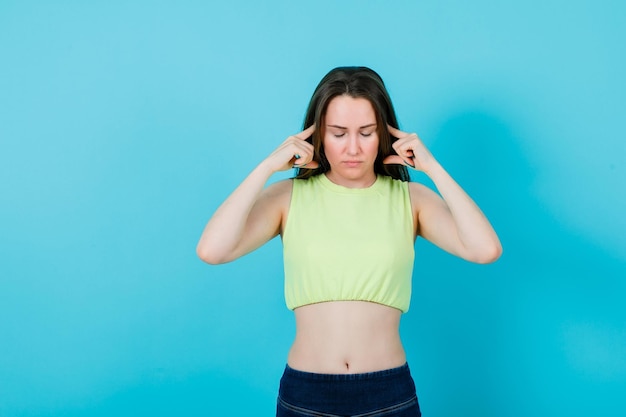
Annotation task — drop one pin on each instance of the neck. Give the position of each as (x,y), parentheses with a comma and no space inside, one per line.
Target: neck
(365,181)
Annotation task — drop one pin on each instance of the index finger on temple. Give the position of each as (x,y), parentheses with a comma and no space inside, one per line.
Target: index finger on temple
(396,132)
(306,132)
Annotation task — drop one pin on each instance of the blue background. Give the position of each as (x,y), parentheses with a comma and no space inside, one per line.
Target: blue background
(124,124)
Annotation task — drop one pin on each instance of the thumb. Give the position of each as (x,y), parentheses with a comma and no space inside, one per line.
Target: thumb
(310,165)
(396,160)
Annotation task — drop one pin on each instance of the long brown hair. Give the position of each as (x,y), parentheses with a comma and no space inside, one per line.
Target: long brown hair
(356,82)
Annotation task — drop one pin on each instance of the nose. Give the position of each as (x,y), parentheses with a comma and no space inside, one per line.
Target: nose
(353,145)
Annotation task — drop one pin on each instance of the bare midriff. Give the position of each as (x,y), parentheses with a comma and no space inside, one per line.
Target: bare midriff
(346,337)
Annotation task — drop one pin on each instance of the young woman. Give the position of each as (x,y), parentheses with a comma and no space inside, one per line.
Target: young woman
(348,222)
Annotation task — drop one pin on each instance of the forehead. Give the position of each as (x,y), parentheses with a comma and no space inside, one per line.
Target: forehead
(348,111)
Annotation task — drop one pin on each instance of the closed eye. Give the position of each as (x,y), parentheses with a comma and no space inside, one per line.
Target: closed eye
(339,135)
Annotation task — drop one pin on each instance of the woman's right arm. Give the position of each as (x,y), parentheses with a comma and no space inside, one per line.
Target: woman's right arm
(252,214)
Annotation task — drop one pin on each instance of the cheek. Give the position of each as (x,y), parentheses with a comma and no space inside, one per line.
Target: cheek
(373,146)
(330,149)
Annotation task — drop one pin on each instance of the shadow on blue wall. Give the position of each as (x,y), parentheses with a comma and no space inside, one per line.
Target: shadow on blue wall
(541,329)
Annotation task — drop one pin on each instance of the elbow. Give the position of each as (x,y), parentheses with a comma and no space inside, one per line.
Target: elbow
(209,256)
(488,254)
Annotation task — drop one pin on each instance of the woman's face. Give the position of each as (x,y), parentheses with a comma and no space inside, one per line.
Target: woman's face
(351,141)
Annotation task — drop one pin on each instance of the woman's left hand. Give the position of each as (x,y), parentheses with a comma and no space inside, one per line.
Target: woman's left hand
(450,219)
(410,149)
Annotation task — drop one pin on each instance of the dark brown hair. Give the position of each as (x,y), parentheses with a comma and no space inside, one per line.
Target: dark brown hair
(356,82)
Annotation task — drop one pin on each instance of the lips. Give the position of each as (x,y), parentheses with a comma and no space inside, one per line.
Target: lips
(352,163)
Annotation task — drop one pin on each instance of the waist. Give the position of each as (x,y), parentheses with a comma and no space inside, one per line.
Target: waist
(391,373)
(346,337)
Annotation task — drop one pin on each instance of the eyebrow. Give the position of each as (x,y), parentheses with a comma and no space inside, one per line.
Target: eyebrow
(345,128)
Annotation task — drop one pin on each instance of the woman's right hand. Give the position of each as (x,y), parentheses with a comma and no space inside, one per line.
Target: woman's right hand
(253,213)
(294,152)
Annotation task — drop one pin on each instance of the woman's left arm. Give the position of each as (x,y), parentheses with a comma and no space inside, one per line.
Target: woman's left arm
(451,221)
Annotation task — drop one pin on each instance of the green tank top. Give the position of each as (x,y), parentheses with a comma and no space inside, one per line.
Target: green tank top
(349,243)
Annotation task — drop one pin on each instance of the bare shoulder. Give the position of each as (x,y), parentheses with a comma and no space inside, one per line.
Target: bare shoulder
(277,198)
(421,195)
(423,200)
(277,195)
(279,189)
